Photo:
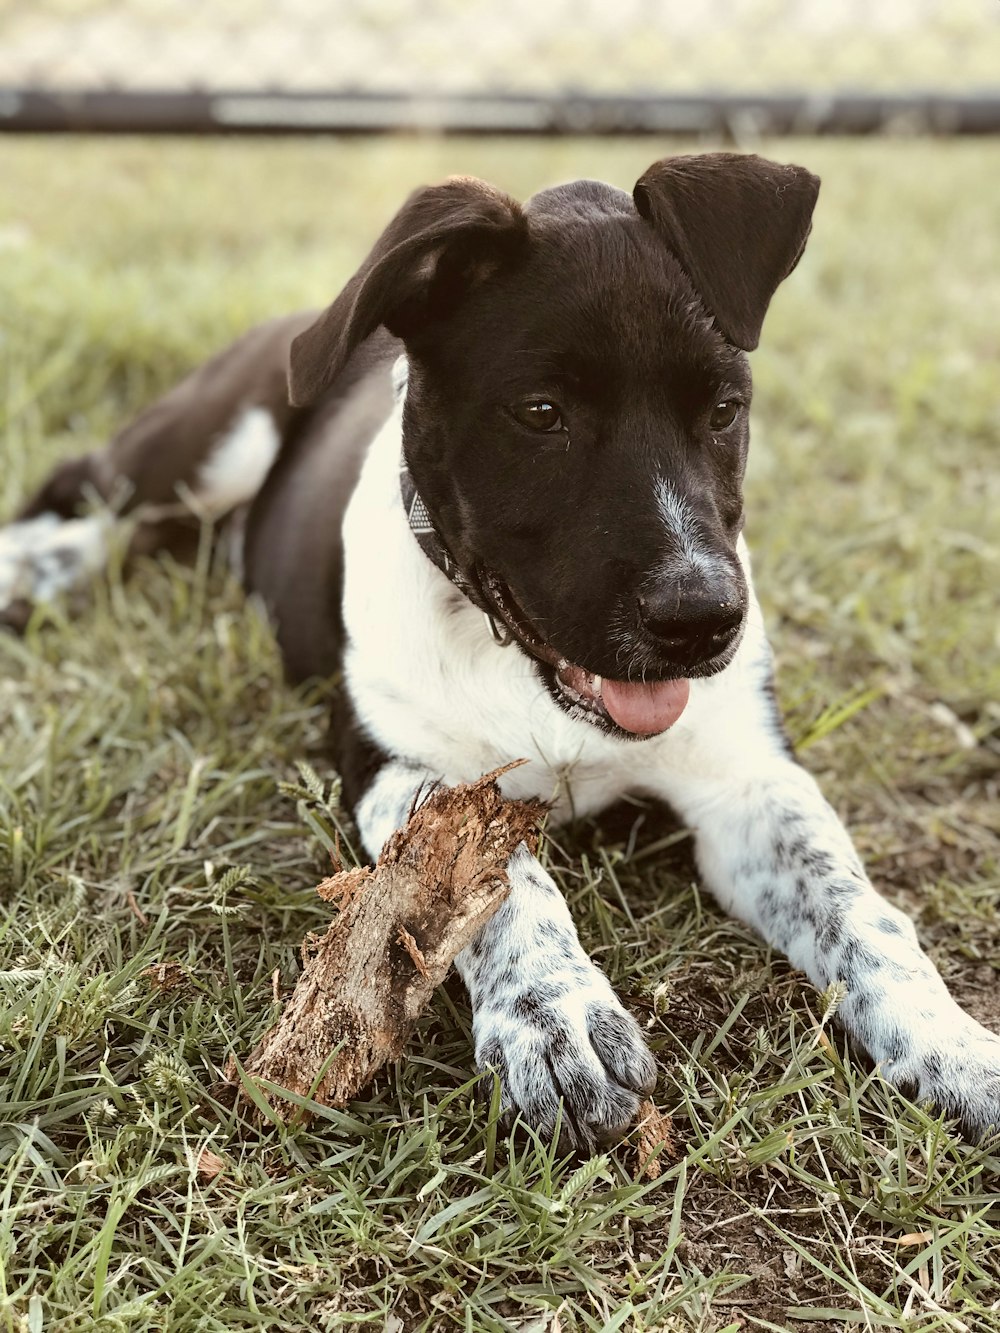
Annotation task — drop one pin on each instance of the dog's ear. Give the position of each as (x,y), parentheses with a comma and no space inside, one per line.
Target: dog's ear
(443,239)
(738,224)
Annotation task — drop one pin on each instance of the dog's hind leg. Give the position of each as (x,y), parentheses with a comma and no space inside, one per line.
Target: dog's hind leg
(545,1019)
(200,452)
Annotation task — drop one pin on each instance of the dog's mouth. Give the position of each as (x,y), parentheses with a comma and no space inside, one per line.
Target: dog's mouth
(635,709)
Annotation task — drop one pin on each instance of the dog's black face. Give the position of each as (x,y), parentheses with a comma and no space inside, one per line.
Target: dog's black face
(576,411)
(578,430)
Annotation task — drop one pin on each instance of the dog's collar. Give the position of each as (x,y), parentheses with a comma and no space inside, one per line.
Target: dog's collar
(430,542)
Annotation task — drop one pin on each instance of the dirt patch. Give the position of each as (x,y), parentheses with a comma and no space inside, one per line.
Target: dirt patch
(726,1231)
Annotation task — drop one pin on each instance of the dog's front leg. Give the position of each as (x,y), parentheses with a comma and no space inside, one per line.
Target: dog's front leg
(545,1018)
(774,853)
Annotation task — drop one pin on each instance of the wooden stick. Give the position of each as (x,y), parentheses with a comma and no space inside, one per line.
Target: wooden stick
(398,928)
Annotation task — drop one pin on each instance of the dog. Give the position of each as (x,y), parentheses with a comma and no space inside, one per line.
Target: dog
(497,485)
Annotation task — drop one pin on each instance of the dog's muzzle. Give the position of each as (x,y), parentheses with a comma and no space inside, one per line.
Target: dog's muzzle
(635,709)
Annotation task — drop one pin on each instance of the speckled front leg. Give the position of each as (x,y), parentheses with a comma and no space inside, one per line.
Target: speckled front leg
(774,853)
(545,1018)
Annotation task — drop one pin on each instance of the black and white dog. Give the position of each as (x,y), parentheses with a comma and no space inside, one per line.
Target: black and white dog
(504,497)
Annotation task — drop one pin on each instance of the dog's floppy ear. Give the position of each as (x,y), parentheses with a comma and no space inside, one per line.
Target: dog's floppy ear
(738,224)
(442,238)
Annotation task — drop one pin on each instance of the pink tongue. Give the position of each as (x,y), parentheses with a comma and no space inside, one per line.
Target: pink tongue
(645,709)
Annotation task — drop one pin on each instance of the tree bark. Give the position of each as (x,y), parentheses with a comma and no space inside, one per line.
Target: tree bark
(398,928)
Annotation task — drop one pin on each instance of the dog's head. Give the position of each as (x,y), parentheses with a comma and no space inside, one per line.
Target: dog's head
(576,411)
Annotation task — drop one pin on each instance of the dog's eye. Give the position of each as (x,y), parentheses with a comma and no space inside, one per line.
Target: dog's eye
(723,414)
(537,414)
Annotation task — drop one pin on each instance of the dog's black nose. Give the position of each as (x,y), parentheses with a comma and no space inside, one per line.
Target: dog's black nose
(692,620)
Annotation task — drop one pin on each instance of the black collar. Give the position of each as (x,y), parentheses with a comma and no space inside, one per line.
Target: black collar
(430,542)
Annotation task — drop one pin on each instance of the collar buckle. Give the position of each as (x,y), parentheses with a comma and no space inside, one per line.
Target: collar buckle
(501,637)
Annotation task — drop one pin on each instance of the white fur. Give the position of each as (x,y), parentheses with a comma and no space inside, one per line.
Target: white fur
(236,468)
(44,556)
(682,531)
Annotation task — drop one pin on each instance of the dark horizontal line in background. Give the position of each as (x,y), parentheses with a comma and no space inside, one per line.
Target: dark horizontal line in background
(734,116)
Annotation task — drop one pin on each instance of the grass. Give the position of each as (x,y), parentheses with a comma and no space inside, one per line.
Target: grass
(152,814)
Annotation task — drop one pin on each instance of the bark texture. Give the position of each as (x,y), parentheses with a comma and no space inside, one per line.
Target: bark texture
(398,927)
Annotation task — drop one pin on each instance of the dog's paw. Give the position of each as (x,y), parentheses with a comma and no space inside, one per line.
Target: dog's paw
(958,1073)
(45,556)
(577,1059)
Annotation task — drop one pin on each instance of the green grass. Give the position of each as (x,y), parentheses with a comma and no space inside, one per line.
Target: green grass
(144,745)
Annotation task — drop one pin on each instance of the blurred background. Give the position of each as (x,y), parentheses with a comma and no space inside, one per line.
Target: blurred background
(719,66)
